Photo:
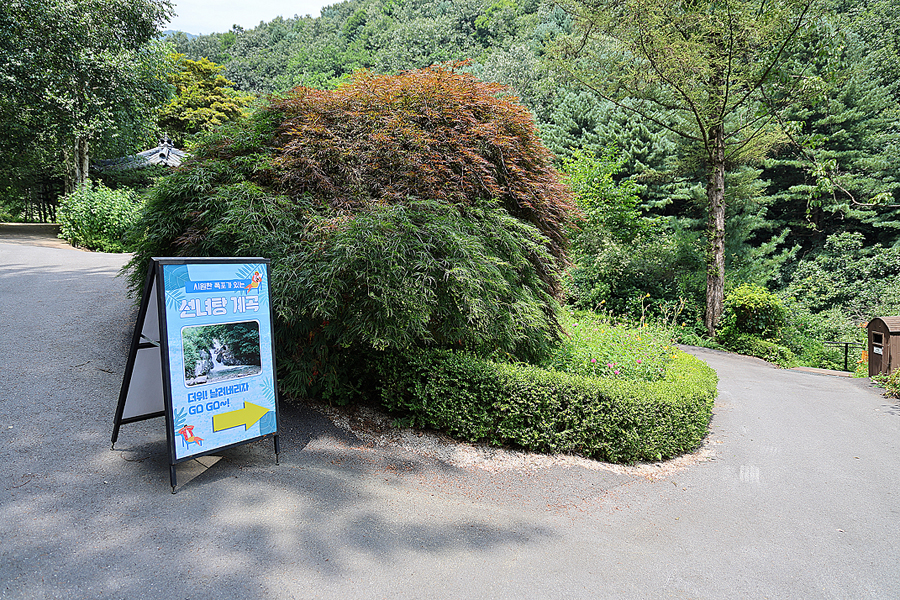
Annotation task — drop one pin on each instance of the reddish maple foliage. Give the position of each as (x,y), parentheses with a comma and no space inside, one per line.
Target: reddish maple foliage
(432,133)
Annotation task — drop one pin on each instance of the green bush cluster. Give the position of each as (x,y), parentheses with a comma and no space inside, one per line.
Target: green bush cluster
(752,322)
(98,218)
(623,261)
(549,411)
(833,293)
(752,310)
(860,279)
(807,331)
(767,350)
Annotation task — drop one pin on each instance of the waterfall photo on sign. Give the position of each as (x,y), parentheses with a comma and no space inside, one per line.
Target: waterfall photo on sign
(220,352)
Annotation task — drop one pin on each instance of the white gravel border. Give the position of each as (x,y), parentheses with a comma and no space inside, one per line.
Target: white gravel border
(377,429)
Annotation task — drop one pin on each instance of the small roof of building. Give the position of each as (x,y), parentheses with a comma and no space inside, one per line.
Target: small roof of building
(165,154)
(892,323)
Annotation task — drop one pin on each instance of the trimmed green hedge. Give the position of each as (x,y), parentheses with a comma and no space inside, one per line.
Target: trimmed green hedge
(548,411)
(767,350)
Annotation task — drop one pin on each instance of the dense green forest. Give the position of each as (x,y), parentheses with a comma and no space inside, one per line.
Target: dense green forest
(809,200)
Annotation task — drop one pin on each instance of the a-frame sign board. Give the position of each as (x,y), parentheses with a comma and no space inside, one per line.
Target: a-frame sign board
(202,356)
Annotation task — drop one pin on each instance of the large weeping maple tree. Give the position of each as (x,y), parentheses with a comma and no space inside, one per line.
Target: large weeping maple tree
(717,73)
(413,210)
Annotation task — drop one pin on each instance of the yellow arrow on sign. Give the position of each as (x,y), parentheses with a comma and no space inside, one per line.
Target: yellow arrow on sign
(247,416)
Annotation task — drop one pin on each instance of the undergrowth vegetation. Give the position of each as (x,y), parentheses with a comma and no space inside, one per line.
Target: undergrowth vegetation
(752,324)
(596,347)
(99,218)
(890,383)
(643,268)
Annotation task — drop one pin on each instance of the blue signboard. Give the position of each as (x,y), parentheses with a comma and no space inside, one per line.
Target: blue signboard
(219,334)
(212,343)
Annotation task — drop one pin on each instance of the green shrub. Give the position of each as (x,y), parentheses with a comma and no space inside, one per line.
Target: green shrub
(624,261)
(753,310)
(840,275)
(807,331)
(767,350)
(10,209)
(617,276)
(850,276)
(610,208)
(751,323)
(98,218)
(693,336)
(401,276)
(548,411)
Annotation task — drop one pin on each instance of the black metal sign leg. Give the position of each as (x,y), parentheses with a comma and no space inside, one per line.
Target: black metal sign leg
(172,477)
(277,448)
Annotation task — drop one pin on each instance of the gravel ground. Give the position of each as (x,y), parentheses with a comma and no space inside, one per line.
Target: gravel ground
(377,429)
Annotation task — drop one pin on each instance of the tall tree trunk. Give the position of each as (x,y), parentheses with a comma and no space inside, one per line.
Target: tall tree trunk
(82,162)
(715,232)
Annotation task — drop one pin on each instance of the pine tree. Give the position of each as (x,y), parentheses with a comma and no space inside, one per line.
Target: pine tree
(841,170)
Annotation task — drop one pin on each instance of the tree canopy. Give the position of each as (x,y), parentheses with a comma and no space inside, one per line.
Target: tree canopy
(716,74)
(203,99)
(78,74)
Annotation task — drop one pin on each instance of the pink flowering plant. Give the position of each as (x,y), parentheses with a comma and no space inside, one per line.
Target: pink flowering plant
(598,347)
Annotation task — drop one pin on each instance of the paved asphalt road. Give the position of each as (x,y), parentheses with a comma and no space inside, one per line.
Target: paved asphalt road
(797,496)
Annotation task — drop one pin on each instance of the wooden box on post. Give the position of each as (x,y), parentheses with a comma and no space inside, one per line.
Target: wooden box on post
(883,345)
